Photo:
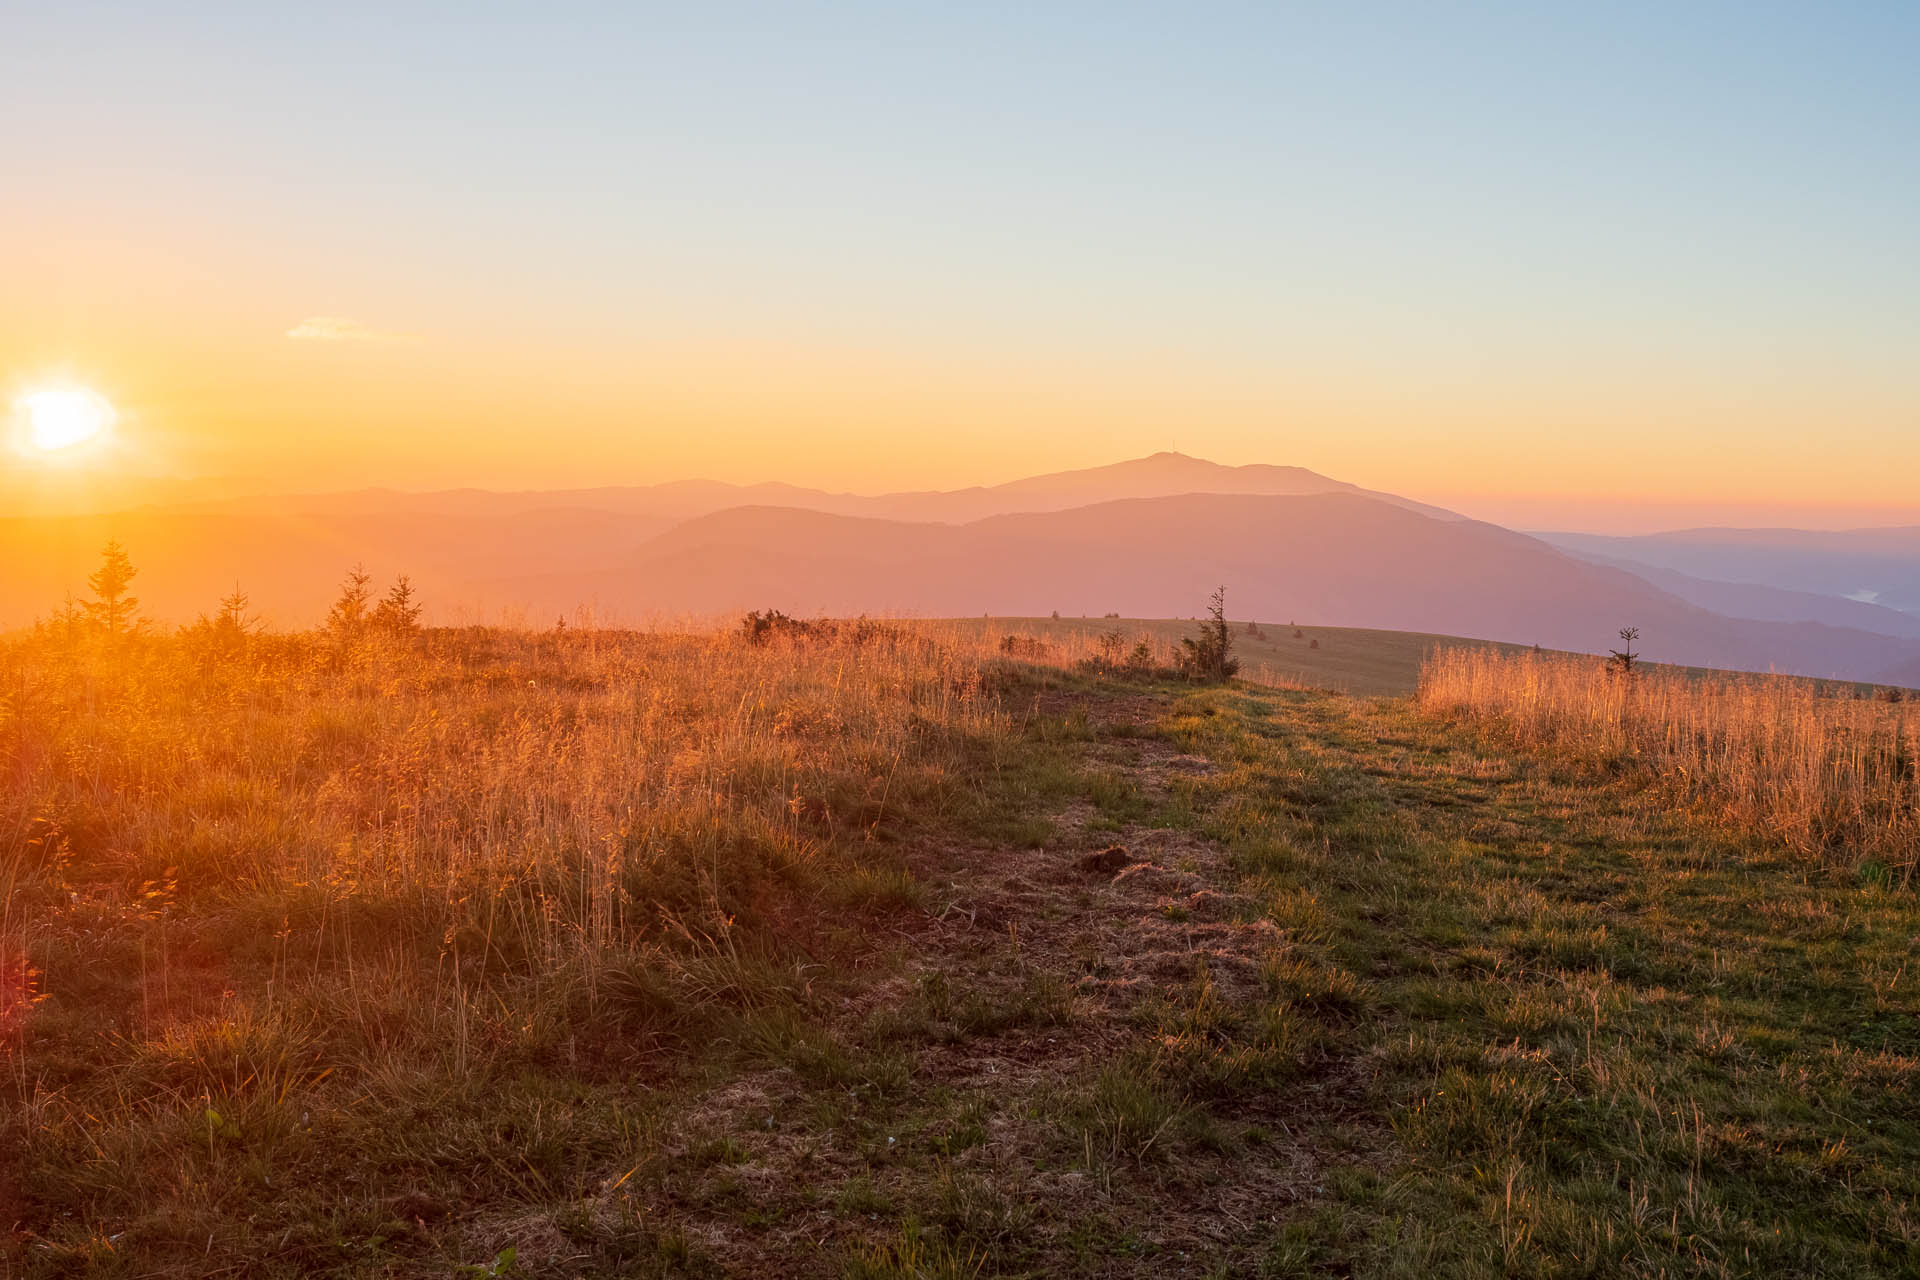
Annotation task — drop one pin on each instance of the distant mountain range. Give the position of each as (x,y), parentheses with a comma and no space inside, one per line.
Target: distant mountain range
(1876,566)
(1160,475)
(1145,538)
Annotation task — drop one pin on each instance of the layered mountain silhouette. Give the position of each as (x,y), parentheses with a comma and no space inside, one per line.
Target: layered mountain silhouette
(1329,558)
(1767,603)
(1877,566)
(1159,475)
(1147,538)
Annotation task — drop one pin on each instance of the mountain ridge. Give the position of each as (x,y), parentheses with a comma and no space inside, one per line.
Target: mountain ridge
(1155,475)
(1302,544)
(1327,558)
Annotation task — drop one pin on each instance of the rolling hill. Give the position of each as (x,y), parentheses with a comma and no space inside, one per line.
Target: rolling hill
(1877,566)
(289,552)
(1335,559)
(1145,538)
(1764,603)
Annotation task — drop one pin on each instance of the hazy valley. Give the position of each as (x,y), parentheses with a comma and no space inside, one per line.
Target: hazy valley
(1131,539)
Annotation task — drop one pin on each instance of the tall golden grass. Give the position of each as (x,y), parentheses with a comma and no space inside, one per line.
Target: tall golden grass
(309,888)
(261,879)
(1833,775)
(479,824)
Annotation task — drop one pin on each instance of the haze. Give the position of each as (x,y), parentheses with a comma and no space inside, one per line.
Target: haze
(1615,270)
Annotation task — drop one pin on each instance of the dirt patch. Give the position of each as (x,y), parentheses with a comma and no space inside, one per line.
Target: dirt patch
(1036,972)
(1108,861)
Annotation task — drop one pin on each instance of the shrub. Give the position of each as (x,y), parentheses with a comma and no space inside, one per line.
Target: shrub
(353,610)
(399,613)
(759,627)
(1624,657)
(225,635)
(1025,647)
(1208,655)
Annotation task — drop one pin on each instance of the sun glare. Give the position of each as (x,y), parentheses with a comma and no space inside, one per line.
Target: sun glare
(59,418)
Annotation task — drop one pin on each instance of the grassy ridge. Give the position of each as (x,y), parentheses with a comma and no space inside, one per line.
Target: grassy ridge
(1836,777)
(1605,1035)
(269,909)
(872,955)
(1355,660)
(1346,659)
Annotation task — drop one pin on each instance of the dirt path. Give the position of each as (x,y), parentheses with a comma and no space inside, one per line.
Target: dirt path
(1002,1091)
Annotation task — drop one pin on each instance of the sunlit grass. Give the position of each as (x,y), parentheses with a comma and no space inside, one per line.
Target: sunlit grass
(1833,774)
(297,886)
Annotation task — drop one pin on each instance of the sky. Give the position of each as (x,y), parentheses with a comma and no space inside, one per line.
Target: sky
(1571,266)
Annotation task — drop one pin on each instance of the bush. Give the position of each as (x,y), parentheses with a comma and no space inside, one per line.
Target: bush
(1208,655)
(758,627)
(399,613)
(1025,647)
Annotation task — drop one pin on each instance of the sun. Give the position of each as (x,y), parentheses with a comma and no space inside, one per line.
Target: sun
(55,419)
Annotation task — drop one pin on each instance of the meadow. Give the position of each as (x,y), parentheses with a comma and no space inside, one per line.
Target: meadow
(1832,771)
(273,887)
(887,950)
(1357,660)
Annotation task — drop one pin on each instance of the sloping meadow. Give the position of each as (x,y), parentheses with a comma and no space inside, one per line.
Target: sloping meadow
(1826,769)
(257,891)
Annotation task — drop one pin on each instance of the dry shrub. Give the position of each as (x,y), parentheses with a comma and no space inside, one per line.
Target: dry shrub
(1833,776)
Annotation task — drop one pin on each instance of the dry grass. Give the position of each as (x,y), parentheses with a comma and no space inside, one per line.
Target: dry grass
(1835,777)
(618,954)
(245,888)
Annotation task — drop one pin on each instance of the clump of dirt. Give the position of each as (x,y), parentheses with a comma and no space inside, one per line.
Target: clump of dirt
(1108,861)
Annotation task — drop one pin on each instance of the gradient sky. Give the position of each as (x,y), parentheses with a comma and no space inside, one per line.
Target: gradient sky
(1618,266)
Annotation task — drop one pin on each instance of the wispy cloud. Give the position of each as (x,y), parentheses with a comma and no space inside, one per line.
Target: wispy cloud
(342,329)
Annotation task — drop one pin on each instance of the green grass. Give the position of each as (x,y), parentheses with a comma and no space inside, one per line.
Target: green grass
(1583,1034)
(1357,660)
(1348,659)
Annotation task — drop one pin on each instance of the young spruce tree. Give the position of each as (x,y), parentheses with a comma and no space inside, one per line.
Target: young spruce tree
(112,609)
(1209,655)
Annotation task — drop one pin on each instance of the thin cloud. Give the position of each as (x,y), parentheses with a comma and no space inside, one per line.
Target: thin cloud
(342,329)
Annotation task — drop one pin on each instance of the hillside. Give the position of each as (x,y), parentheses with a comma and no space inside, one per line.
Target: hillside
(1352,660)
(291,563)
(1316,559)
(462,545)
(1145,538)
(874,956)
(1881,566)
(1764,603)
(1159,475)
(1162,475)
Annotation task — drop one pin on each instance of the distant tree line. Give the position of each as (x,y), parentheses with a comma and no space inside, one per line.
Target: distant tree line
(113,613)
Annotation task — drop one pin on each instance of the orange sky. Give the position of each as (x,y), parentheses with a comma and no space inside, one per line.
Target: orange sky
(419,410)
(298,260)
